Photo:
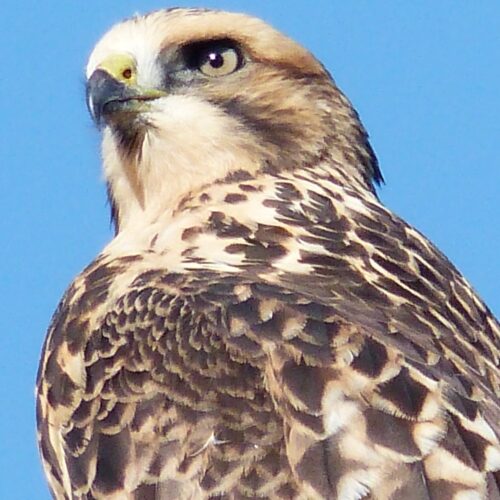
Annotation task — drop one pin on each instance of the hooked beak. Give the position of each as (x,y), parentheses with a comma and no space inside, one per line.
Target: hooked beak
(109,99)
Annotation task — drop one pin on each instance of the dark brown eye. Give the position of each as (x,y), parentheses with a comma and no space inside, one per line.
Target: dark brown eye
(219,61)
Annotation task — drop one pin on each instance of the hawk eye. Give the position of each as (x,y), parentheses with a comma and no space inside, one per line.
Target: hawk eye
(215,58)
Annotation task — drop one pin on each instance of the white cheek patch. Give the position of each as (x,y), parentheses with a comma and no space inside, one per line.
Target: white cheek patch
(185,124)
(188,143)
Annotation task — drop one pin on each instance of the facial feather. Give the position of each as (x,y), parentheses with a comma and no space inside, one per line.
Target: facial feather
(278,111)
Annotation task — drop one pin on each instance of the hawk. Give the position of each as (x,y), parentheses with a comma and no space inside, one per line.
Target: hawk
(260,326)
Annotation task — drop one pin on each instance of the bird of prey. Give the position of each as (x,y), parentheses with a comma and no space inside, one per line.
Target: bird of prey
(260,326)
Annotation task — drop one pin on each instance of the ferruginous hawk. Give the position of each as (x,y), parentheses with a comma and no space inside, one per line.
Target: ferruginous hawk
(260,326)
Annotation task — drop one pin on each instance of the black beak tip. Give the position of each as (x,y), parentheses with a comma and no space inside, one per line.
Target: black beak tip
(101,90)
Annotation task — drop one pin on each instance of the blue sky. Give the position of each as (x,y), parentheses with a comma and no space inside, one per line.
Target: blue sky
(423,76)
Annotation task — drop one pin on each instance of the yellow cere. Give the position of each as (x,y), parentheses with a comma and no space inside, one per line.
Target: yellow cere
(122,67)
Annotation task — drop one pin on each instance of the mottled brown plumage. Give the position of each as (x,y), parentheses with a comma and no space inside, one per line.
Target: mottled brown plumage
(261,326)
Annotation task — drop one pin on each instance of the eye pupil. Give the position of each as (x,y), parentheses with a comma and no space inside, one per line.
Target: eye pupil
(127,73)
(216,59)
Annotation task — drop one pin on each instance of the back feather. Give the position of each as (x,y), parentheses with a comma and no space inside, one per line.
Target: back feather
(320,348)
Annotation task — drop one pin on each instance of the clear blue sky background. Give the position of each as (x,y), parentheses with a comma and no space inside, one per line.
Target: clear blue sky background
(423,75)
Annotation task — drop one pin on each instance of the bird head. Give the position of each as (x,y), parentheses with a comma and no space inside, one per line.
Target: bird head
(186,97)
